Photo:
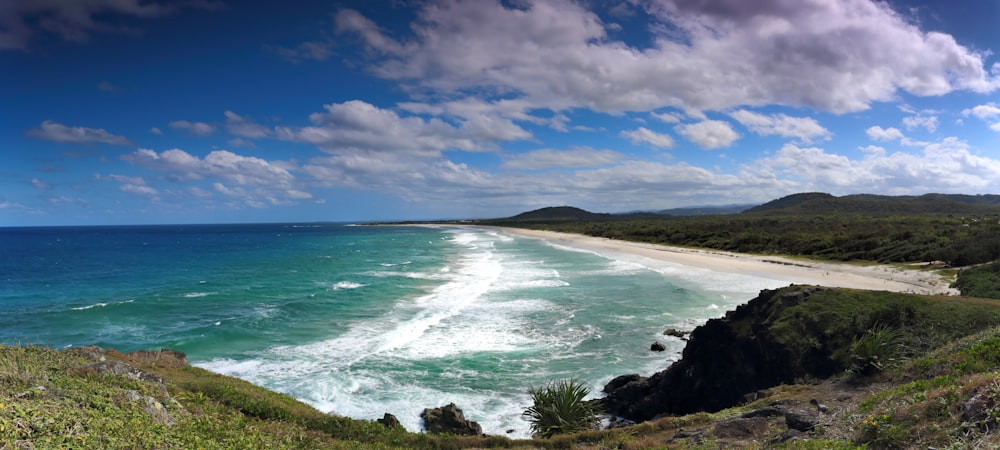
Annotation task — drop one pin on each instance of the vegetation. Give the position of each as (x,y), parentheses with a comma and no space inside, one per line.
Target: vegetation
(560,408)
(981,281)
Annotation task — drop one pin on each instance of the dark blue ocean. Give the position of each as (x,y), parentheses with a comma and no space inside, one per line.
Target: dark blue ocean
(360,320)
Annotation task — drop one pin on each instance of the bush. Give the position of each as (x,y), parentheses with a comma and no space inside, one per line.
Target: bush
(875,349)
(560,408)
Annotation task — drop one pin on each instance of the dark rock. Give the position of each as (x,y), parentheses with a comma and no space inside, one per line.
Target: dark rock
(695,436)
(511,431)
(741,428)
(673,332)
(725,359)
(449,419)
(658,347)
(390,421)
(800,419)
(977,410)
(620,381)
(769,411)
(819,406)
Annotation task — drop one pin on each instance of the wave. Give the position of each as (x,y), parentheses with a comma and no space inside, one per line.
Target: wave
(100,305)
(346,285)
(197,294)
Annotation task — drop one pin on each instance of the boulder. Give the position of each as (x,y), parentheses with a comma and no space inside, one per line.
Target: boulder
(389,421)
(741,428)
(800,419)
(449,419)
(658,347)
(673,332)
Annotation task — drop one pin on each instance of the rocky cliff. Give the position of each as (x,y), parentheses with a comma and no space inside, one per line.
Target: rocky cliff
(782,336)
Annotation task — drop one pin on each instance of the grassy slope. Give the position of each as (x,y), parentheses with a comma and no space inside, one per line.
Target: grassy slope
(51,398)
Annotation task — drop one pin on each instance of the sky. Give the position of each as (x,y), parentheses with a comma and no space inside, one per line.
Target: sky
(212,111)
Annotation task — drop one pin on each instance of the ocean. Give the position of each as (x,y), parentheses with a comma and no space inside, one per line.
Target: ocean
(361,320)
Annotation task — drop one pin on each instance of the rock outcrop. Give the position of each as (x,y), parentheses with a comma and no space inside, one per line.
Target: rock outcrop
(727,358)
(449,419)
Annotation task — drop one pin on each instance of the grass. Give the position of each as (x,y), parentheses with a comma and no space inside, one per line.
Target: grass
(52,399)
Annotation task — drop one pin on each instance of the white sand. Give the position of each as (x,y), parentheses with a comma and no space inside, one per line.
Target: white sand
(798,271)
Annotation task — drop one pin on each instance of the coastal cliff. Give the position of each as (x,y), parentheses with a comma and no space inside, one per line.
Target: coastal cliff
(787,336)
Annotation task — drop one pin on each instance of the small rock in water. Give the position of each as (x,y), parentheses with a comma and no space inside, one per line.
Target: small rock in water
(390,421)
(657,347)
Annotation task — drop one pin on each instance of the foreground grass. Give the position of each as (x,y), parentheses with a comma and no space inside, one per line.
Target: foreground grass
(944,392)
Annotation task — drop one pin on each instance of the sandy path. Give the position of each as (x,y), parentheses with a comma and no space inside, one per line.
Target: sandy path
(798,271)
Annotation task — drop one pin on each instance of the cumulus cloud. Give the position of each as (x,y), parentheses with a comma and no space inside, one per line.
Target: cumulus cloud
(54,131)
(877,133)
(987,113)
(804,129)
(944,166)
(357,126)
(704,56)
(709,134)
(75,21)
(643,134)
(551,158)
(249,181)
(197,128)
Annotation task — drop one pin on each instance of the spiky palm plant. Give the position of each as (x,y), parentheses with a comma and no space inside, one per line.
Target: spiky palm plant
(560,408)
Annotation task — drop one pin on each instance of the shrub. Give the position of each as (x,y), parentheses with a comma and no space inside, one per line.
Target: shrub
(560,408)
(873,351)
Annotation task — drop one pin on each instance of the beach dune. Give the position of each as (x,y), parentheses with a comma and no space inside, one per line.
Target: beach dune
(879,277)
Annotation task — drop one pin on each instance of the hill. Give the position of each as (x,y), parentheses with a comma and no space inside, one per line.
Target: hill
(558,213)
(821,203)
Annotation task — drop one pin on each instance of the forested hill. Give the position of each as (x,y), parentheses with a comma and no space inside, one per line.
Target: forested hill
(820,203)
(559,213)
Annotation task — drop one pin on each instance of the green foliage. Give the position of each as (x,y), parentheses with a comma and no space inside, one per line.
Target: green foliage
(981,281)
(955,239)
(873,351)
(560,408)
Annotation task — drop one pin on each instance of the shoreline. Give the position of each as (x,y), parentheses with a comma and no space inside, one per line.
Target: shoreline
(878,277)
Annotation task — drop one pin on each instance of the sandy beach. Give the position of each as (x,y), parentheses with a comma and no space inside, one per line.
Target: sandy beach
(798,271)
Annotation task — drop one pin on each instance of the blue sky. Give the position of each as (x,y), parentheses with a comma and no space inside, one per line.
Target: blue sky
(204,111)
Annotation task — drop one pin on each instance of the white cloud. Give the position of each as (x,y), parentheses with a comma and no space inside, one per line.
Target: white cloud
(704,57)
(156,131)
(804,129)
(551,158)
(928,122)
(54,131)
(132,185)
(944,166)
(667,117)
(243,126)
(986,113)
(983,112)
(709,134)
(643,134)
(877,133)
(254,182)
(357,126)
(311,50)
(198,128)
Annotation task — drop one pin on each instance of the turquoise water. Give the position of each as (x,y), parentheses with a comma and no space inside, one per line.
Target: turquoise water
(360,321)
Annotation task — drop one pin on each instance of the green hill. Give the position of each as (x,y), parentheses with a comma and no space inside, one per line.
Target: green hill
(821,203)
(558,213)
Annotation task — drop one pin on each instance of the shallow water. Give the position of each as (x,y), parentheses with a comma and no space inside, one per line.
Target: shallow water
(360,321)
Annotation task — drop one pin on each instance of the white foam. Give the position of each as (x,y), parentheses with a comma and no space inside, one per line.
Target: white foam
(197,294)
(346,285)
(95,305)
